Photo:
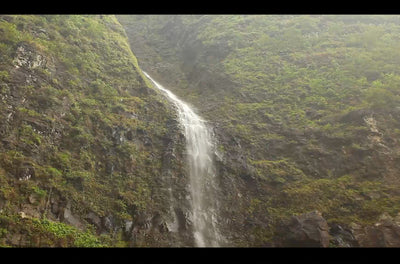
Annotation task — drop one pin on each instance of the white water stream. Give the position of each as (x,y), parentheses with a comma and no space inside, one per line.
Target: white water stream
(199,147)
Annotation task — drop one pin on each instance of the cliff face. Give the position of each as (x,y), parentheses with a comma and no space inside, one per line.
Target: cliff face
(85,141)
(305,111)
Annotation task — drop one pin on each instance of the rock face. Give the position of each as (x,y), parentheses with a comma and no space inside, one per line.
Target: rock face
(342,236)
(94,219)
(312,230)
(183,53)
(27,57)
(124,174)
(306,230)
(70,218)
(385,233)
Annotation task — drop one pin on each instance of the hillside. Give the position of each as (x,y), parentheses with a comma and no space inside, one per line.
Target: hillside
(305,109)
(285,131)
(83,135)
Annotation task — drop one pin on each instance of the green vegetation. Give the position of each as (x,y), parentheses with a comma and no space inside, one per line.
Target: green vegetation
(312,99)
(78,111)
(63,232)
(305,108)
(278,171)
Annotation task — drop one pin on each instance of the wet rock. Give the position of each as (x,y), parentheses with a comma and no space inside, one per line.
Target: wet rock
(342,237)
(183,221)
(158,222)
(306,230)
(108,223)
(144,221)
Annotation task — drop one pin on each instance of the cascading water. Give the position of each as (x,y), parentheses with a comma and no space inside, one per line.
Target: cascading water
(199,147)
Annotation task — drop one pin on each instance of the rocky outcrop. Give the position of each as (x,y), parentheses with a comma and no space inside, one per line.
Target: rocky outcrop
(306,230)
(94,219)
(70,218)
(385,233)
(342,236)
(28,57)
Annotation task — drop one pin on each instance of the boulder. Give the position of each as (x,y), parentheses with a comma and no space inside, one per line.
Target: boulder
(54,206)
(71,219)
(385,233)
(342,236)
(94,219)
(306,230)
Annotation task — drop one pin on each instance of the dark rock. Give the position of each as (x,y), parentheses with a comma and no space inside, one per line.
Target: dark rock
(117,135)
(108,223)
(109,167)
(70,218)
(385,233)
(183,222)
(356,117)
(129,135)
(147,141)
(25,171)
(55,207)
(76,182)
(16,239)
(158,222)
(306,230)
(342,237)
(94,219)
(163,227)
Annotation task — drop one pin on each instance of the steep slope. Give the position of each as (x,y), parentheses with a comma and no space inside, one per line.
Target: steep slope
(305,109)
(86,143)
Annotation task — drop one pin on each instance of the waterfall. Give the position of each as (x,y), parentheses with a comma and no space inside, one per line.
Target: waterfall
(202,186)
